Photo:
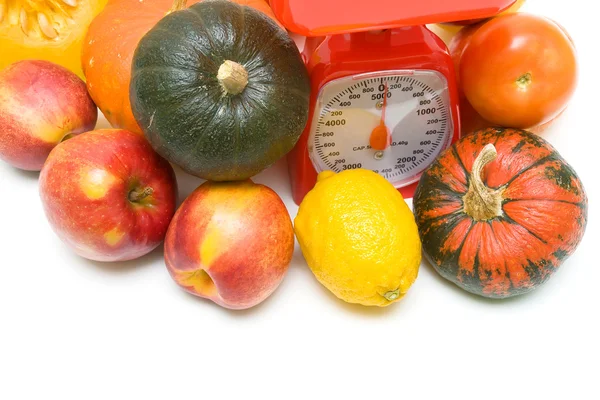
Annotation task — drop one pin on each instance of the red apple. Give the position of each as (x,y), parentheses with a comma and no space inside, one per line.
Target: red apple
(230,242)
(108,195)
(41,103)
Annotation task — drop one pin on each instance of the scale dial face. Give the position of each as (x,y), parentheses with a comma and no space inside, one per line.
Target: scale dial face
(417,116)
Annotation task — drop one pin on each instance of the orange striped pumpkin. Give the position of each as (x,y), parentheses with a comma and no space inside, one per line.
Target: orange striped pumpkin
(499,211)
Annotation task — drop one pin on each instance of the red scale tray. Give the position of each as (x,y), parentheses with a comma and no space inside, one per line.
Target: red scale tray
(328,17)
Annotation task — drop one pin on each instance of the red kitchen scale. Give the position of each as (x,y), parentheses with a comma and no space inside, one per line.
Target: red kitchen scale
(384,94)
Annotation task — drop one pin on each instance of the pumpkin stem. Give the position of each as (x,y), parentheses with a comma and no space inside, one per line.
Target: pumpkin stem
(177,5)
(481,202)
(233,77)
(135,196)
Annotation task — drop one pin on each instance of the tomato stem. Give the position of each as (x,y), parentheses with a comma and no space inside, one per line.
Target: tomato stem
(481,202)
(524,81)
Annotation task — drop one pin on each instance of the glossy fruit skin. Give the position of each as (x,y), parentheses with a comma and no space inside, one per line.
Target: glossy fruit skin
(108,51)
(85,187)
(519,70)
(544,214)
(470,120)
(64,49)
(359,237)
(190,119)
(230,242)
(40,103)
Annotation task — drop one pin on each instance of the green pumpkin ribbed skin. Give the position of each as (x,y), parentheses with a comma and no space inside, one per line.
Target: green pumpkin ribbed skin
(185,113)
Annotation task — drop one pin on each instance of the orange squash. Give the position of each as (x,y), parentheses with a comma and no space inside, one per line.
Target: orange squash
(109,46)
(51,30)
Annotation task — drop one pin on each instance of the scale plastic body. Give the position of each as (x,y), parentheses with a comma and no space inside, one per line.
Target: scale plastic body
(375,64)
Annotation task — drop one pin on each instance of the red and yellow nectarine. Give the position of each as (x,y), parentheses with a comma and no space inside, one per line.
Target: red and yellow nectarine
(230,242)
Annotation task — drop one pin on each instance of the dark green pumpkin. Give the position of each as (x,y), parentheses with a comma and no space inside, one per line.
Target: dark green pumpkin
(220,90)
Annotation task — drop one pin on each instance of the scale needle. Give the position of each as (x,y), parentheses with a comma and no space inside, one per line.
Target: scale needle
(380,136)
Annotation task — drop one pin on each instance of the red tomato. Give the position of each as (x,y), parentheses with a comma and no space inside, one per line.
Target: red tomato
(519,70)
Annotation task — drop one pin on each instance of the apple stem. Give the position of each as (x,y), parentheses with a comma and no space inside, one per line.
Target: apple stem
(136,196)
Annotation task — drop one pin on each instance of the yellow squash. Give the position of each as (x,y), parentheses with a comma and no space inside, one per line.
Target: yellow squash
(50,30)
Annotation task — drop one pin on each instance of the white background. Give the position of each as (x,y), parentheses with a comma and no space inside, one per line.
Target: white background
(75,329)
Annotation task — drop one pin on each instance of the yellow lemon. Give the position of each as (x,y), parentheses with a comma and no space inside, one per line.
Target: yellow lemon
(359,237)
